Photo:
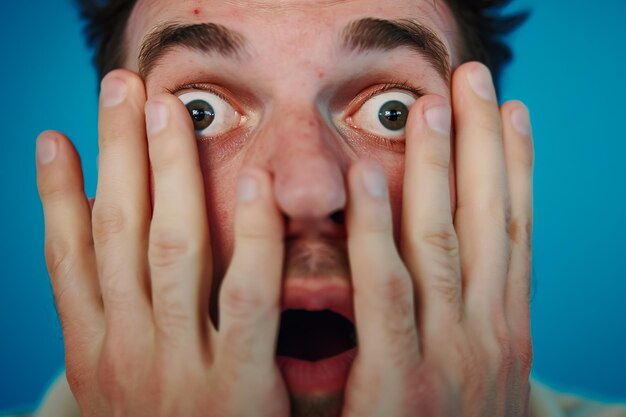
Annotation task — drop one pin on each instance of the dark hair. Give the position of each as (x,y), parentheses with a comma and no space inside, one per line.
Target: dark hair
(481,27)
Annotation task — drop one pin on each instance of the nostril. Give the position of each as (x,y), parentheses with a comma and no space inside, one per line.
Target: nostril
(338,217)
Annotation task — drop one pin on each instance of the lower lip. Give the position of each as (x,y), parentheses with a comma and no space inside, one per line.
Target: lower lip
(314,378)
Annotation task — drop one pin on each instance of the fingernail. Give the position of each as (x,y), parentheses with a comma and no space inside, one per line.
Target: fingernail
(439,119)
(375,181)
(46,149)
(248,188)
(156,116)
(481,82)
(113,92)
(520,120)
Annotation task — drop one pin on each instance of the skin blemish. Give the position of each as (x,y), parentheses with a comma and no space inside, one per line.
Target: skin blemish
(196,12)
(320,74)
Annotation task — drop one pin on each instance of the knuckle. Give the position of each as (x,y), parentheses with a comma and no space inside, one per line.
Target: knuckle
(491,128)
(466,357)
(58,254)
(241,302)
(501,352)
(107,223)
(112,134)
(446,284)
(117,298)
(507,357)
(168,247)
(443,238)
(53,189)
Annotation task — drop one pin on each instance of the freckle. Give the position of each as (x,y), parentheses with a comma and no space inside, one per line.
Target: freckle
(320,74)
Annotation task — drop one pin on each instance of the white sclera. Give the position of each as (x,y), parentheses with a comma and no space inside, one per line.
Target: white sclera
(226,117)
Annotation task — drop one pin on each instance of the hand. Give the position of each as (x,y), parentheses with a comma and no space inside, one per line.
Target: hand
(444,325)
(132,282)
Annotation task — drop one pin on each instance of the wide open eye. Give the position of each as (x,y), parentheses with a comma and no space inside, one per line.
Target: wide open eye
(384,115)
(211,114)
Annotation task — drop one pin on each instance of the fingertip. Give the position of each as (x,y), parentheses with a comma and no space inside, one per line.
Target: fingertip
(368,209)
(517,114)
(128,77)
(120,84)
(157,116)
(368,175)
(170,106)
(477,76)
(58,165)
(257,213)
(53,147)
(421,116)
(247,188)
(46,147)
(252,183)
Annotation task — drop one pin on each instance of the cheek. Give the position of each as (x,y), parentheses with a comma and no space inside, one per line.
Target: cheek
(219,189)
(394,169)
(452,181)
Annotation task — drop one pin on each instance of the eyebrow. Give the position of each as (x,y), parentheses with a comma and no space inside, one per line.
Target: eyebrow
(379,34)
(363,35)
(203,37)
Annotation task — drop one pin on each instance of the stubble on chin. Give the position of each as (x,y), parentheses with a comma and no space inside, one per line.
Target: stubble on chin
(327,405)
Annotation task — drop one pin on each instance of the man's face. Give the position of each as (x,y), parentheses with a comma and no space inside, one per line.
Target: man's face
(301,89)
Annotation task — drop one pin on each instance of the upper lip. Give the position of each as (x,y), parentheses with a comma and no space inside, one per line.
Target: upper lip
(318,293)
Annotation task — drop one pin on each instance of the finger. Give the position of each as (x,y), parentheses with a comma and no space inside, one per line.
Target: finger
(250,294)
(482,201)
(429,243)
(68,243)
(179,250)
(518,151)
(121,210)
(383,293)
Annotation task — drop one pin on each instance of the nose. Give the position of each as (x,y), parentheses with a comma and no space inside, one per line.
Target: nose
(308,167)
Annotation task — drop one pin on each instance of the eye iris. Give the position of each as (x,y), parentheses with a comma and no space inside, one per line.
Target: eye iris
(393,115)
(202,114)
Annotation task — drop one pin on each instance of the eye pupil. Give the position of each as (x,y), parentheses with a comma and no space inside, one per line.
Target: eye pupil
(393,115)
(202,114)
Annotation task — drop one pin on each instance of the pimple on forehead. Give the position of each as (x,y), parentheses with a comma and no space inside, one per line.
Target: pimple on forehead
(196,11)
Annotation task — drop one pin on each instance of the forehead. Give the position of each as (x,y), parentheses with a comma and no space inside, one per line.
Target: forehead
(286,24)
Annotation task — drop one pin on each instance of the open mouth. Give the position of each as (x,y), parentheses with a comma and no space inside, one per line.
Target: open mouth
(314,335)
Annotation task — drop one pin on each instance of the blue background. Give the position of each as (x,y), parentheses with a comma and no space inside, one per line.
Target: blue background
(569,70)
